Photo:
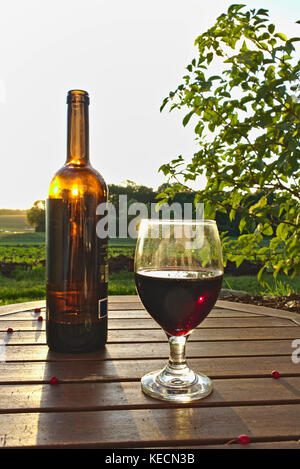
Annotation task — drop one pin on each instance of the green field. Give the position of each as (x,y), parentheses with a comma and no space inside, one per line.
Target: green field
(25,285)
(21,238)
(14,223)
(28,283)
(27,247)
(30,247)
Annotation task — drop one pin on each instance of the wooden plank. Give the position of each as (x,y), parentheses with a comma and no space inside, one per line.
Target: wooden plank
(213,334)
(149,427)
(150,350)
(26,325)
(125,306)
(128,395)
(29,315)
(157,335)
(13,308)
(280,313)
(208,322)
(149,323)
(132,314)
(215,313)
(124,300)
(112,299)
(124,370)
(234,445)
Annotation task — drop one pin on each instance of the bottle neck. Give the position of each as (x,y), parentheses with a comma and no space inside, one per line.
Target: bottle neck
(78,133)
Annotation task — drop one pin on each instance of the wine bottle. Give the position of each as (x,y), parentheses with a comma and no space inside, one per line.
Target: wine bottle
(76,265)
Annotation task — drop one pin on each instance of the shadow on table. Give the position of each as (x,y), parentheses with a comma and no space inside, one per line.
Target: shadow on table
(78,410)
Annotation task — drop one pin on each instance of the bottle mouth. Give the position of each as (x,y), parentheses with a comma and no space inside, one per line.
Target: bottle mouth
(78,96)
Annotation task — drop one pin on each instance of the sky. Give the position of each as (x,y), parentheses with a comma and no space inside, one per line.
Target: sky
(128,55)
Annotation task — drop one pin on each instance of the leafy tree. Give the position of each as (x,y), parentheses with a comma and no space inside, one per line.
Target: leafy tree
(246,118)
(133,191)
(36,215)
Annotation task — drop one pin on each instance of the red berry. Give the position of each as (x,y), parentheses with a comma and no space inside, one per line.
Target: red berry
(275,374)
(37,310)
(243,439)
(40,318)
(9,330)
(53,380)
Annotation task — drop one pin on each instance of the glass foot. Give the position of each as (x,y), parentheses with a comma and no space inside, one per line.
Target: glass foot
(165,386)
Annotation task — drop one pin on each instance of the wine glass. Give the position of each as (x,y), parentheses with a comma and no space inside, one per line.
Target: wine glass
(178,273)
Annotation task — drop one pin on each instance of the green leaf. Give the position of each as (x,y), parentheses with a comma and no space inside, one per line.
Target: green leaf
(260,275)
(270,73)
(187,118)
(209,211)
(263,36)
(260,204)
(274,243)
(268,230)
(262,11)
(235,7)
(282,231)
(232,215)
(239,260)
(211,126)
(272,42)
(163,104)
(271,28)
(209,57)
(263,250)
(165,169)
(281,36)
(242,225)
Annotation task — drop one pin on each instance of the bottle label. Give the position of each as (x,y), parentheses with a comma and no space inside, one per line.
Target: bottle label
(102,308)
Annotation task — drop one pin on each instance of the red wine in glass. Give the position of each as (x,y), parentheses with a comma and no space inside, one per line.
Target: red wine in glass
(178,300)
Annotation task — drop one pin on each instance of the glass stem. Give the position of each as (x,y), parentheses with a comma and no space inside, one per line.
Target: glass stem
(177,361)
(176,373)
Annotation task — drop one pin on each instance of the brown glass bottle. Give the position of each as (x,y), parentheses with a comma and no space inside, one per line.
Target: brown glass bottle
(77,268)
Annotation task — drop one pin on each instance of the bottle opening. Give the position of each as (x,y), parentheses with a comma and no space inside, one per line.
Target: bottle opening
(78,96)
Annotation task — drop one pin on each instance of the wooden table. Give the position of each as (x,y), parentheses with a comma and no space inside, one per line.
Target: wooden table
(98,402)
